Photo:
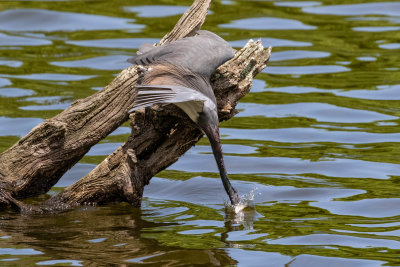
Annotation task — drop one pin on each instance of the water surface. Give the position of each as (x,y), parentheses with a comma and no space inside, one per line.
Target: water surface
(316,141)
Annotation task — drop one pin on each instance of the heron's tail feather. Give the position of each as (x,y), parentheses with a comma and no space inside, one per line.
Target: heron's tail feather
(149,95)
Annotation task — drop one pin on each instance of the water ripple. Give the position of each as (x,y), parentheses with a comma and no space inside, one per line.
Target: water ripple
(305,70)
(32,20)
(309,135)
(372,208)
(382,8)
(156,11)
(319,111)
(316,141)
(272,42)
(268,24)
(8,40)
(17,126)
(336,240)
(338,167)
(102,63)
(131,43)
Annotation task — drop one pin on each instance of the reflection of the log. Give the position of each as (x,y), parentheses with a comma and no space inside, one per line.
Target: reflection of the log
(245,218)
(243,214)
(237,221)
(207,257)
(114,237)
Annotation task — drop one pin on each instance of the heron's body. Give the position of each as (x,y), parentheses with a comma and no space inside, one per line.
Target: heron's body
(202,54)
(180,74)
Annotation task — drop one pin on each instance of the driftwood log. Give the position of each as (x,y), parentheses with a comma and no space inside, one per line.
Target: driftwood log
(160,135)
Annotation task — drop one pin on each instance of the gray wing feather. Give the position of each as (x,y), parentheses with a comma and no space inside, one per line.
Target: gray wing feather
(201,54)
(149,95)
(145,47)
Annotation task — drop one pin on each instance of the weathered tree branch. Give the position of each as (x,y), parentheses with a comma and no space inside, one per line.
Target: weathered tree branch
(159,136)
(189,23)
(37,161)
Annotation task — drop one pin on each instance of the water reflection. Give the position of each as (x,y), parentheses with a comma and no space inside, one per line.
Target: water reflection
(309,135)
(4,82)
(7,40)
(304,260)
(381,92)
(60,106)
(382,8)
(318,136)
(390,46)
(297,3)
(318,111)
(129,43)
(336,240)
(157,11)
(117,62)
(268,24)
(17,126)
(303,70)
(11,63)
(274,42)
(51,77)
(376,29)
(32,20)
(121,229)
(297,54)
(15,92)
(372,208)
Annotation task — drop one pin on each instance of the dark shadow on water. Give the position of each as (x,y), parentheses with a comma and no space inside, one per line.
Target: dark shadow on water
(95,235)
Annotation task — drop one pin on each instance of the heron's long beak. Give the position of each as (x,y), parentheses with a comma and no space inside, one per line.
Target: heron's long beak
(212,132)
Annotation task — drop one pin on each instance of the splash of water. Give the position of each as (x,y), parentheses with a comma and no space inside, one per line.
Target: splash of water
(243,213)
(246,201)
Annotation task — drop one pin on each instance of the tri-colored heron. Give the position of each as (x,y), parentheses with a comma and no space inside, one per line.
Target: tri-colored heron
(179,73)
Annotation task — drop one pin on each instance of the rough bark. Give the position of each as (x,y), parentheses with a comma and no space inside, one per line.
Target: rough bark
(37,161)
(189,23)
(160,135)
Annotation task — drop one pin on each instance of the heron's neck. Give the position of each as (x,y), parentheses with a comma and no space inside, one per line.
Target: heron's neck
(212,132)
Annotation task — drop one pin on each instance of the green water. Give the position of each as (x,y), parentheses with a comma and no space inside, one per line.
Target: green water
(316,141)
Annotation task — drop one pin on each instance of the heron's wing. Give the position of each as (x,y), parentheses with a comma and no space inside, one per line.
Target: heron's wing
(145,47)
(149,55)
(149,95)
(201,54)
